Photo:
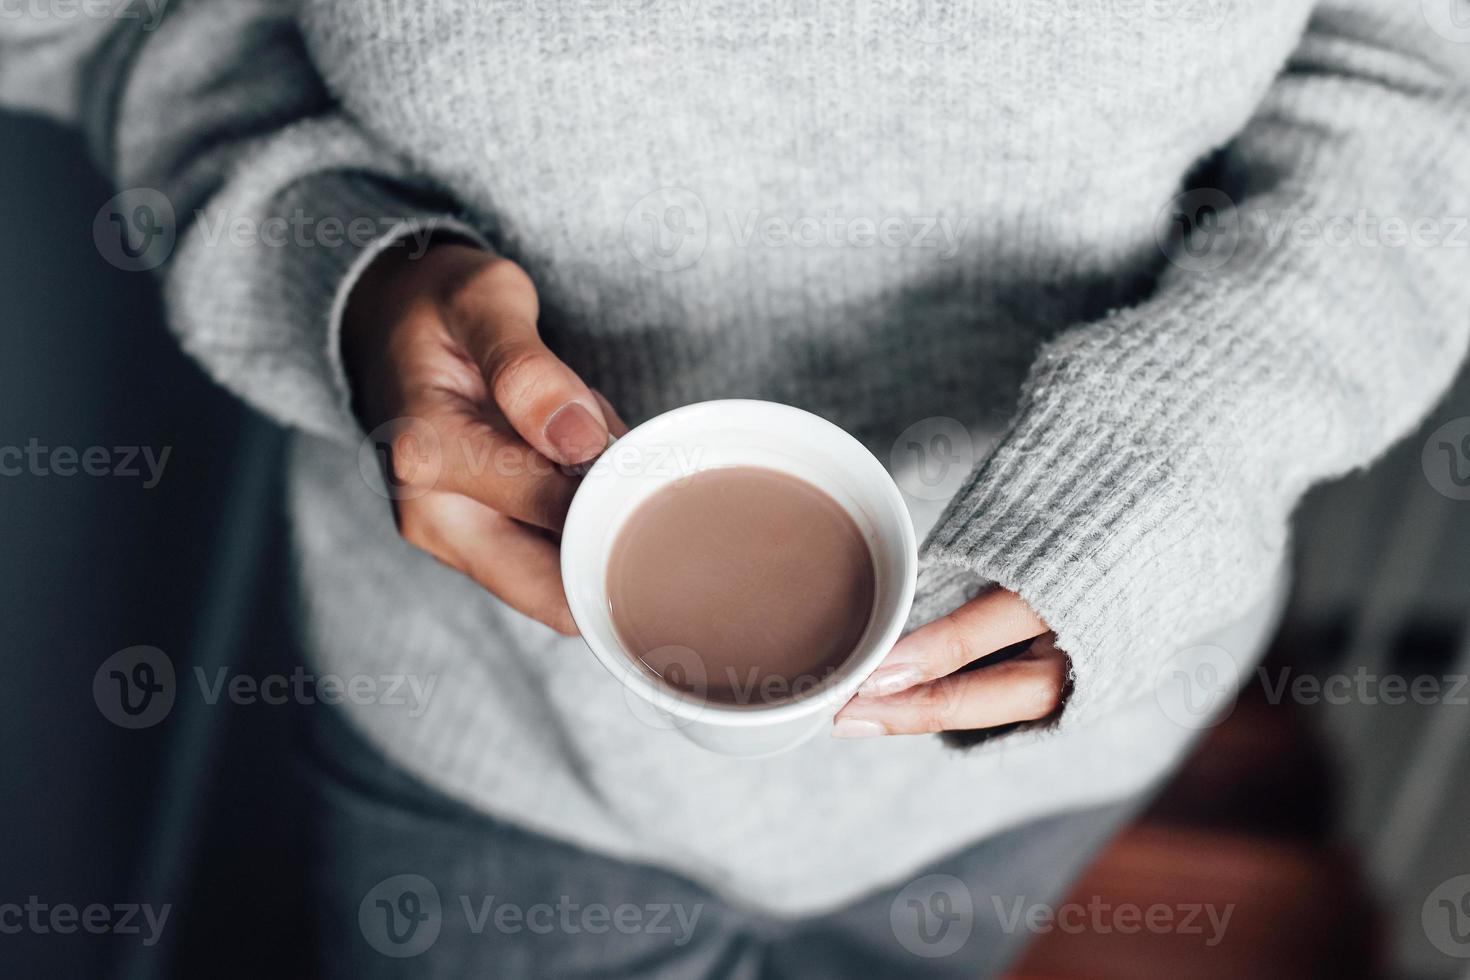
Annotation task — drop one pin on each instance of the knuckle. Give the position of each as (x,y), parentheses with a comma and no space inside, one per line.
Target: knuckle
(958,648)
(1037,694)
(520,371)
(502,276)
(506,276)
(933,705)
(496,286)
(930,717)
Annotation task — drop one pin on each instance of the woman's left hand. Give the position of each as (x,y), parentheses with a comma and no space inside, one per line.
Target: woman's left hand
(917,688)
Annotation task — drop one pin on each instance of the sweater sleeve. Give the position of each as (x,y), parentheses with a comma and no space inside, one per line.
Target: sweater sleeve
(1316,308)
(257,201)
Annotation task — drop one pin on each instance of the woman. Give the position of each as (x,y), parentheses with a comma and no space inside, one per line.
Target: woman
(573,214)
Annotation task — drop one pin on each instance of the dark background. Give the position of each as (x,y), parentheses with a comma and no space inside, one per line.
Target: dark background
(201,811)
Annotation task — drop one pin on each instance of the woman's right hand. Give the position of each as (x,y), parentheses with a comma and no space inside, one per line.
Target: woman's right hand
(480,422)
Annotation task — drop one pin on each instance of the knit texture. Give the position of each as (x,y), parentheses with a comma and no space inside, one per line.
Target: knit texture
(883,212)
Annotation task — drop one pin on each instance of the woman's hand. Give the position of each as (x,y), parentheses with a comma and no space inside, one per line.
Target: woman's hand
(922,685)
(449,342)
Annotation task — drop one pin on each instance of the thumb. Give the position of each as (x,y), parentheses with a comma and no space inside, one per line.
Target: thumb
(549,406)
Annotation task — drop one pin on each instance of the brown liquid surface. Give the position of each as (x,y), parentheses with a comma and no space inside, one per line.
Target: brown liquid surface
(741,585)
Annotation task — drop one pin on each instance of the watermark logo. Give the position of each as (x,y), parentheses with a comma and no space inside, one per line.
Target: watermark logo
(406,457)
(1446,459)
(931,459)
(1450,19)
(1195,688)
(135,688)
(399,21)
(635,8)
(1199,230)
(933,916)
(401,916)
(401,459)
(1446,917)
(302,229)
(684,685)
(136,230)
(668,230)
(678,673)
(936,21)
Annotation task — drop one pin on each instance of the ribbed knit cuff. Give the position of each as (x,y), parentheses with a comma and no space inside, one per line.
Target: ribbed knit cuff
(326,276)
(262,274)
(1118,515)
(401,228)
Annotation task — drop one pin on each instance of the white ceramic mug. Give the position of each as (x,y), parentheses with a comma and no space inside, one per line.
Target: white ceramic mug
(708,435)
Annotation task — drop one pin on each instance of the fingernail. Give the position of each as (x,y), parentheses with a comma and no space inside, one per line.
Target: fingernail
(890,680)
(575,434)
(857,728)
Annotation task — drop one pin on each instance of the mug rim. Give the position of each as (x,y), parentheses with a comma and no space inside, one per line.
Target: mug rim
(685,706)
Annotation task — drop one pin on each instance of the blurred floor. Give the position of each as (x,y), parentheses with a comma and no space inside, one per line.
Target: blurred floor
(1239,866)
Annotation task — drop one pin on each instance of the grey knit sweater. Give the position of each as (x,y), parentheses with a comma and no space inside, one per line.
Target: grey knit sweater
(882,211)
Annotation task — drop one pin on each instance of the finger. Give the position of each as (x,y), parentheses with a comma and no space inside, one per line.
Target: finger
(985,624)
(615,424)
(494,318)
(497,469)
(444,445)
(1027,688)
(515,563)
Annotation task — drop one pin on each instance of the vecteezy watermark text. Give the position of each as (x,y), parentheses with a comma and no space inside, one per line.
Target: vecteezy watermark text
(935,915)
(1098,916)
(404,458)
(137,230)
(150,12)
(834,230)
(125,462)
(940,21)
(301,229)
(64,918)
(301,687)
(1196,687)
(1366,687)
(136,688)
(1201,229)
(402,916)
(670,230)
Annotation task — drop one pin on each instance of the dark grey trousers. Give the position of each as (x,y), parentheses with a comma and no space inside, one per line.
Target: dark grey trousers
(408,883)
